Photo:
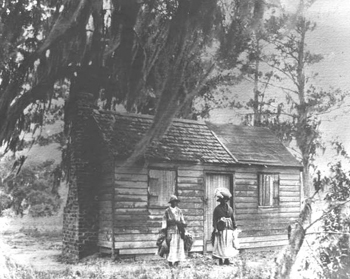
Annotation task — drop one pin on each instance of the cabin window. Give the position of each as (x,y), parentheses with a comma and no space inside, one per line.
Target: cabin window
(268,189)
(161,185)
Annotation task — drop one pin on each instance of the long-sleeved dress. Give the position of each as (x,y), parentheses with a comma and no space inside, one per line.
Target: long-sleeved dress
(171,218)
(223,243)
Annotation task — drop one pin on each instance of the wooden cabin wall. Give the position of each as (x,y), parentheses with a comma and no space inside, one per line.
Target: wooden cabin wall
(136,225)
(263,227)
(106,183)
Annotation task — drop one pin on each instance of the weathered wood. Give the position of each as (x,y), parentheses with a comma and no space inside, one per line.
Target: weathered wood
(190,173)
(143,251)
(289,204)
(192,211)
(185,166)
(133,198)
(136,230)
(135,217)
(267,215)
(243,204)
(131,170)
(246,187)
(137,225)
(219,169)
(135,244)
(247,200)
(192,199)
(263,238)
(197,249)
(156,211)
(289,194)
(193,224)
(189,219)
(131,177)
(131,191)
(294,177)
(131,185)
(258,217)
(272,243)
(246,194)
(190,193)
(113,223)
(259,210)
(130,204)
(289,199)
(190,180)
(247,176)
(263,226)
(262,210)
(193,205)
(136,237)
(131,211)
(191,186)
(289,188)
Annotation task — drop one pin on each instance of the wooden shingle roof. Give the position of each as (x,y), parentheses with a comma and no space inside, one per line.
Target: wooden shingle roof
(254,145)
(185,140)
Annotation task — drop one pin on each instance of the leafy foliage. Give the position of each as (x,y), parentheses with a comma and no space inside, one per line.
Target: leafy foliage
(142,54)
(34,189)
(334,242)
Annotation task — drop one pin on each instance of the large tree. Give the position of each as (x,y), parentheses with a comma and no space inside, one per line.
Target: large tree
(126,49)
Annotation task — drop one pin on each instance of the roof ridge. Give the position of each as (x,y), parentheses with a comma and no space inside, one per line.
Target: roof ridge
(146,116)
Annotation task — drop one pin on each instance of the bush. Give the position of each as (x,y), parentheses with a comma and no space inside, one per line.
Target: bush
(334,249)
(5,202)
(34,188)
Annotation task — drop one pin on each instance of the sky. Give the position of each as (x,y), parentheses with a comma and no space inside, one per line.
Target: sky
(331,38)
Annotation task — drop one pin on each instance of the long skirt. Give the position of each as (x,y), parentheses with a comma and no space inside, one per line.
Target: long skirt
(223,245)
(176,249)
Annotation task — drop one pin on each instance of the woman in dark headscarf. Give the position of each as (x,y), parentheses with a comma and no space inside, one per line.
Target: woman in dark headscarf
(173,224)
(224,225)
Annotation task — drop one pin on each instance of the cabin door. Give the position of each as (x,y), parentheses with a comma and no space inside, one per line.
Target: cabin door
(212,182)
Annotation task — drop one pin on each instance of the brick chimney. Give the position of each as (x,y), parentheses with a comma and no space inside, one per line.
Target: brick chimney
(80,219)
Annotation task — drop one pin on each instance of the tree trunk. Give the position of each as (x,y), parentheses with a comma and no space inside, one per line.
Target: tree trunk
(296,234)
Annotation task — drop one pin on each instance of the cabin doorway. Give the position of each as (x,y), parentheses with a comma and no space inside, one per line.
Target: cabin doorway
(213,181)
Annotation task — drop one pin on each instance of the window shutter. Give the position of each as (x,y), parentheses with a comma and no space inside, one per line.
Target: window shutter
(268,189)
(161,186)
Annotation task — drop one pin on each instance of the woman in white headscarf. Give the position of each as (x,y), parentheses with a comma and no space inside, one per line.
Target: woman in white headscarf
(224,225)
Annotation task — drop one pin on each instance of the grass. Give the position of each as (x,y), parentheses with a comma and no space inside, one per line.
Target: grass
(247,266)
(198,267)
(35,227)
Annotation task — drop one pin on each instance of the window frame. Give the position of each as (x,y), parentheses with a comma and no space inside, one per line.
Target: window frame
(149,169)
(274,197)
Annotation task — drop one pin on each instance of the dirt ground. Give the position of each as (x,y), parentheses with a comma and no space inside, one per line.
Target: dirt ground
(43,254)
(41,250)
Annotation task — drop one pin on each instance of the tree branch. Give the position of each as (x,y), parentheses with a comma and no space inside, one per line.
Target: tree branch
(326,213)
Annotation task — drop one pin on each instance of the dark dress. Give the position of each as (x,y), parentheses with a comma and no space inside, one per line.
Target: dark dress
(224,225)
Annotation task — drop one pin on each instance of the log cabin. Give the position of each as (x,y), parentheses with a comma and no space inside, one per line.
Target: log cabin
(191,161)
(116,209)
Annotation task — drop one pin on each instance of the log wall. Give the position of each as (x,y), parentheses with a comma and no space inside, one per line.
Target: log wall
(265,226)
(126,214)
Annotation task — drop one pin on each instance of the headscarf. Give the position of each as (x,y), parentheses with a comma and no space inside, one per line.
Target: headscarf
(222,192)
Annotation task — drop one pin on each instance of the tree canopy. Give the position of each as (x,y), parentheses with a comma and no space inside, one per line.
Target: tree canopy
(146,55)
